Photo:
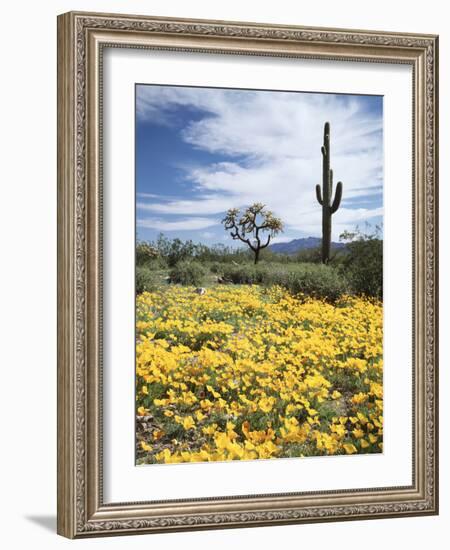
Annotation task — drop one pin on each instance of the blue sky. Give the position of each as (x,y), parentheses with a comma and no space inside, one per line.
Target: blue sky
(200,151)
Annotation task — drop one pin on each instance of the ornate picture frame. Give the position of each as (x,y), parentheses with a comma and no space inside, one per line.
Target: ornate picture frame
(82,39)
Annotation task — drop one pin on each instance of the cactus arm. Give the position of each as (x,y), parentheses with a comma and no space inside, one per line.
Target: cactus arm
(319,194)
(337,198)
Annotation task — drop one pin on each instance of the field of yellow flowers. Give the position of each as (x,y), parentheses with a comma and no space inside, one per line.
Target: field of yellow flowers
(251,372)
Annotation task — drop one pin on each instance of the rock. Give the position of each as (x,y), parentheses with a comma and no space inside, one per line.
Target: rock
(200,291)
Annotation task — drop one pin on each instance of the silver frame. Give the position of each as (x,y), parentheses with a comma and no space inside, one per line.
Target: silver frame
(81,40)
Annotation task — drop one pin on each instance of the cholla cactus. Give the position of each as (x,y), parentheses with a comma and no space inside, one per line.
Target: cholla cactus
(324,195)
(248,227)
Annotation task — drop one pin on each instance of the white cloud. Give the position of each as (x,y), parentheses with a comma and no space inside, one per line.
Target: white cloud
(187,224)
(208,204)
(273,144)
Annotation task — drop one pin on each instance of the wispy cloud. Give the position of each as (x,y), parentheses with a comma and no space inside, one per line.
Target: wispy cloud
(272,142)
(207,204)
(187,224)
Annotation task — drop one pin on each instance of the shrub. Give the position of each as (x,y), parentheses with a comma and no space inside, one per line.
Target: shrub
(215,267)
(311,255)
(315,280)
(175,250)
(188,273)
(145,280)
(363,263)
(145,253)
(245,274)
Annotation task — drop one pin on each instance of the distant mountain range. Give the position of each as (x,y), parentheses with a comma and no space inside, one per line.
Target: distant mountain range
(296,245)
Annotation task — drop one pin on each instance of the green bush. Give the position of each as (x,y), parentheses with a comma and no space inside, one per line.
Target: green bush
(363,263)
(215,267)
(145,280)
(311,255)
(175,250)
(315,280)
(145,253)
(188,273)
(364,266)
(245,274)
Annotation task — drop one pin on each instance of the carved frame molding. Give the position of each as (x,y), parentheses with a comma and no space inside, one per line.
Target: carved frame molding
(81,39)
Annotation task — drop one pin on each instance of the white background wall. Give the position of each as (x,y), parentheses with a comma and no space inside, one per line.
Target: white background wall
(28,271)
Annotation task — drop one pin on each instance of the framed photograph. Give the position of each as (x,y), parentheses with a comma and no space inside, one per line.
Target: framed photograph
(247,276)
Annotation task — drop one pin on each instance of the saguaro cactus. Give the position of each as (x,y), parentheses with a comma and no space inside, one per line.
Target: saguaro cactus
(325,194)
